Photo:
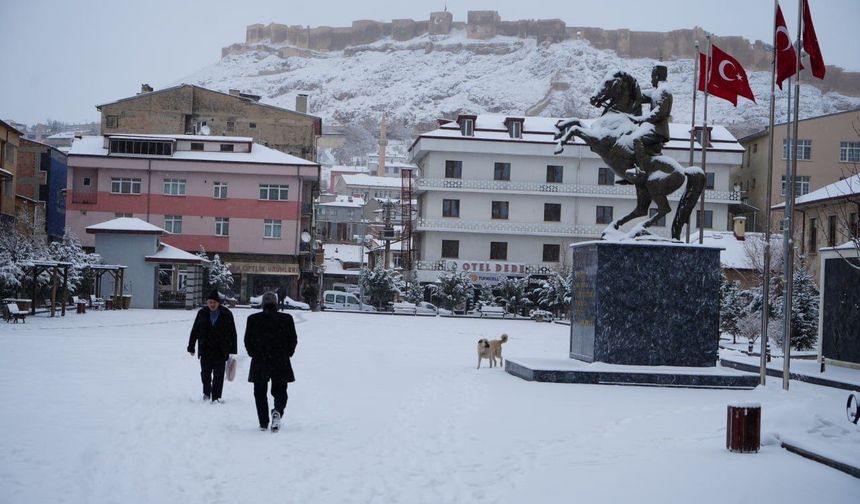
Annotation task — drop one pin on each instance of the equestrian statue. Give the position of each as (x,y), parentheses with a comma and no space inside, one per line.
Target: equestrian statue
(631,143)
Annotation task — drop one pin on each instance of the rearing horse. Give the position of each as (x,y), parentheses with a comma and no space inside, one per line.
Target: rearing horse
(611,137)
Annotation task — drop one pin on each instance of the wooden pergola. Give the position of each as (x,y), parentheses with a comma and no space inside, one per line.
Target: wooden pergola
(56,268)
(97,271)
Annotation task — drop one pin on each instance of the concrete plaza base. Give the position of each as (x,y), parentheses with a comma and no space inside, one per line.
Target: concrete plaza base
(599,373)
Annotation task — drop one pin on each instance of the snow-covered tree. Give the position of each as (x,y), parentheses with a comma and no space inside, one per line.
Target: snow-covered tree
(732,307)
(380,285)
(804,310)
(220,276)
(453,290)
(749,327)
(511,293)
(554,294)
(17,250)
(69,250)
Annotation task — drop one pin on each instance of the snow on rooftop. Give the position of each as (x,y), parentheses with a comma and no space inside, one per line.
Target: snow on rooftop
(125,224)
(168,253)
(344,252)
(342,200)
(260,154)
(846,187)
(735,253)
(363,179)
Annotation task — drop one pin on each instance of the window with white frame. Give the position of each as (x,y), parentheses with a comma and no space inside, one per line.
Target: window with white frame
(120,215)
(219,190)
(125,185)
(849,152)
(222,226)
(173,223)
(272,229)
(274,192)
(801,185)
(804,149)
(174,187)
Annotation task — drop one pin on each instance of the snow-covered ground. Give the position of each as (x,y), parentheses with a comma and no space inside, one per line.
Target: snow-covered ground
(106,407)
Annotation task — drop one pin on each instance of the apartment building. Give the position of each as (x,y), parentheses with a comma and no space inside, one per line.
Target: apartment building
(10,138)
(245,201)
(494,201)
(828,150)
(42,180)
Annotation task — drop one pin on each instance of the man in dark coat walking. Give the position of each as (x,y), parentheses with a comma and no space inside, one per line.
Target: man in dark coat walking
(270,339)
(214,333)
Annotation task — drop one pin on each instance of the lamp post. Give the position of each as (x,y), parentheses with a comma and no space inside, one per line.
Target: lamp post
(361,243)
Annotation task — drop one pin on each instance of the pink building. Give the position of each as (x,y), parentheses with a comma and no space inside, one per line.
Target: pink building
(242,200)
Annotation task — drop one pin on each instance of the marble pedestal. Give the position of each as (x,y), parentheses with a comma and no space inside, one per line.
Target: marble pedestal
(645,303)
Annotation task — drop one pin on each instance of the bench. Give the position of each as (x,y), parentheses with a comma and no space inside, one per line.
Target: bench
(405,308)
(12,313)
(493,310)
(97,303)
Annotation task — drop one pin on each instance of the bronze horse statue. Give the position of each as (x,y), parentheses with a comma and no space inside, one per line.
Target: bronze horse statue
(612,135)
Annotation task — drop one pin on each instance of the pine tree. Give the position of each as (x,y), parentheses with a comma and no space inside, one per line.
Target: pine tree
(804,310)
(731,308)
(511,293)
(220,275)
(69,250)
(380,285)
(453,290)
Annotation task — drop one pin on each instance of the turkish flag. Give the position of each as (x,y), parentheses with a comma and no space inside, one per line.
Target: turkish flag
(786,57)
(810,43)
(727,79)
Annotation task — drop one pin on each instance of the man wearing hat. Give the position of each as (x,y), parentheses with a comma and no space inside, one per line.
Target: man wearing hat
(214,333)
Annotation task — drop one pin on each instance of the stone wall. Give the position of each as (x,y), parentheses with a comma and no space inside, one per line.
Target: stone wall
(483,25)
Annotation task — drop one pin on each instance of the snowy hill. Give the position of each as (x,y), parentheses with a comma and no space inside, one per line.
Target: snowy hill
(432,76)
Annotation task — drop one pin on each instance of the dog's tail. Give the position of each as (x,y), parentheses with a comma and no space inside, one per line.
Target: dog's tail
(504,338)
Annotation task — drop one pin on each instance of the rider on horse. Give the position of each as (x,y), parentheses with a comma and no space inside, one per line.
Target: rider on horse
(653,129)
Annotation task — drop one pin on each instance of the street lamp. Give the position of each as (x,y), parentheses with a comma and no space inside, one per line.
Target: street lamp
(364,239)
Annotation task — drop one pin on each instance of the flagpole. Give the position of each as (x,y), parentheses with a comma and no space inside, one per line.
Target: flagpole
(705,142)
(765,288)
(693,119)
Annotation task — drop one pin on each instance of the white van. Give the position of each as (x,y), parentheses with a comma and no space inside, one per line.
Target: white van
(339,300)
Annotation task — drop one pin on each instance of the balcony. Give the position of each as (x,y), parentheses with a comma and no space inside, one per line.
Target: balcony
(85,198)
(582,190)
(506,227)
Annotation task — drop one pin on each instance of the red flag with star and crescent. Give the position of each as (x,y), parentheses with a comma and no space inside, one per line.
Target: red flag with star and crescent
(727,79)
(810,43)
(786,57)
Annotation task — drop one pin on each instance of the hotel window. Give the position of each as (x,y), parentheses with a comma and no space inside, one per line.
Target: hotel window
(144,147)
(831,231)
(552,212)
(274,192)
(551,252)
(554,174)
(197,146)
(801,185)
(222,226)
(227,147)
(467,127)
(220,190)
(849,152)
(661,222)
(813,236)
(502,171)
(499,251)
(605,176)
(450,249)
(709,180)
(125,185)
(453,169)
(111,121)
(174,187)
(709,218)
(804,149)
(499,210)
(272,229)
(173,223)
(450,208)
(121,215)
(604,214)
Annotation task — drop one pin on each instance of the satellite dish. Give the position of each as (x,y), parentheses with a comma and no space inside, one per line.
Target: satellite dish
(306,237)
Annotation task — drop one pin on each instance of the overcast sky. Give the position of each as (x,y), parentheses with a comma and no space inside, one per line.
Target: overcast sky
(61,57)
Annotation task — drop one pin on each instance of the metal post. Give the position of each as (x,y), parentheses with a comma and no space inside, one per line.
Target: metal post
(693,119)
(705,142)
(361,270)
(765,287)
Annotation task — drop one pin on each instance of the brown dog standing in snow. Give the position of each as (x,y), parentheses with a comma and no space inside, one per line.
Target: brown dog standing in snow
(490,350)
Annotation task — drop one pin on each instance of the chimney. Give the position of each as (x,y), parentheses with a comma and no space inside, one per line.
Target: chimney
(302,103)
(740,226)
(145,88)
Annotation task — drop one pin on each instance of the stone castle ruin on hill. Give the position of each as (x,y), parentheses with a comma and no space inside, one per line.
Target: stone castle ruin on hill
(304,41)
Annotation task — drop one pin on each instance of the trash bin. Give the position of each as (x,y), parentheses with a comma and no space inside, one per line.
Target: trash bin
(743,427)
(109,304)
(81,306)
(126,301)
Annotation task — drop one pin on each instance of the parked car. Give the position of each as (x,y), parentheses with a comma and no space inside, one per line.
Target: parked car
(288,304)
(339,300)
(425,307)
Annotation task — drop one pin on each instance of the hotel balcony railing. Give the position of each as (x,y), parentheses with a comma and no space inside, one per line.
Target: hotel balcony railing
(84,198)
(507,227)
(588,190)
